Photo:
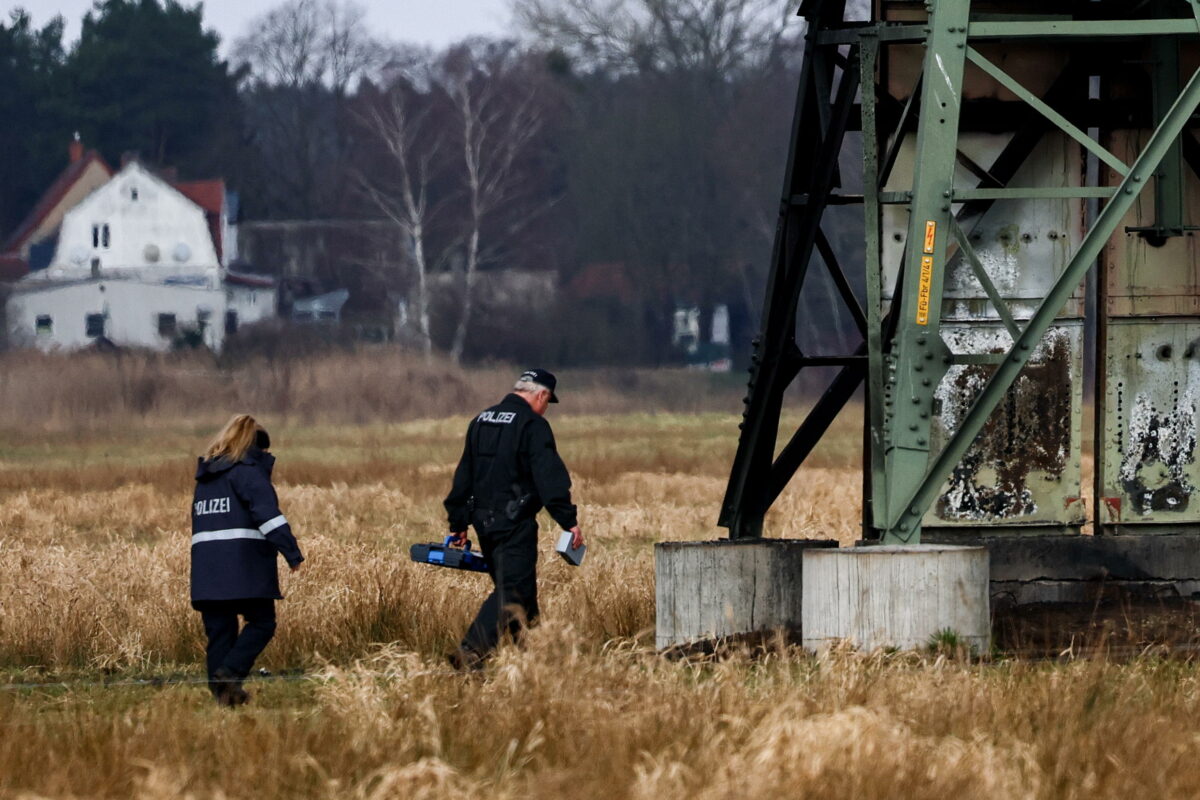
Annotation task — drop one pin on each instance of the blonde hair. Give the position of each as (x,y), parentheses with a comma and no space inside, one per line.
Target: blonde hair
(234,439)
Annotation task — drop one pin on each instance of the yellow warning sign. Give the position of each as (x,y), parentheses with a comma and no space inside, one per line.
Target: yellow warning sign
(924,288)
(930,232)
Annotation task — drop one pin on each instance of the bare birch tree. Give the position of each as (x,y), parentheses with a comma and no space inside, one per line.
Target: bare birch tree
(412,148)
(497,127)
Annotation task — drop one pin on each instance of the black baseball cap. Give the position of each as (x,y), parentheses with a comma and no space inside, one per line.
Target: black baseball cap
(541,376)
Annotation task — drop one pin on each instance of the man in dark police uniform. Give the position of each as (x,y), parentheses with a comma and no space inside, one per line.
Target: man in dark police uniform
(509,470)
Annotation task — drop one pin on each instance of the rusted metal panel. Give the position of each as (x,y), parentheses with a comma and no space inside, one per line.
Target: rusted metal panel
(1145,275)
(1024,469)
(1023,244)
(1147,471)
(1034,66)
(1150,472)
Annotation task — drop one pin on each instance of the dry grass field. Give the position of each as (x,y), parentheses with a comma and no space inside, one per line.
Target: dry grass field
(93,585)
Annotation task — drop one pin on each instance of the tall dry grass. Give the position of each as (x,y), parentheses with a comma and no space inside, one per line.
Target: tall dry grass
(368,385)
(93,564)
(94,535)
(563,720)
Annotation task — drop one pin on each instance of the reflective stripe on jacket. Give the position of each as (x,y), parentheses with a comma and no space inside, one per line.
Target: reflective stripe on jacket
(237,530)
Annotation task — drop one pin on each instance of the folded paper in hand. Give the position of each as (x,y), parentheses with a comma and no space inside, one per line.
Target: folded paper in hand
(572,555)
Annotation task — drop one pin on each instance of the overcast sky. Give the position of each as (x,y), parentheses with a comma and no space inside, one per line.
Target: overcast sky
(434,22)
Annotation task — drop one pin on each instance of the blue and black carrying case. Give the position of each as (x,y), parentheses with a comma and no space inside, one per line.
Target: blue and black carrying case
(443,555)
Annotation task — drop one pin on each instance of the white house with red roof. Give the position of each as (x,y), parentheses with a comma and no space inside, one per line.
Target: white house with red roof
(139,262)
(220,210)
(31,245)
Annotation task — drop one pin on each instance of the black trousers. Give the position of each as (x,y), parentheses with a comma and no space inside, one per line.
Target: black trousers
(512,605)
(229,648)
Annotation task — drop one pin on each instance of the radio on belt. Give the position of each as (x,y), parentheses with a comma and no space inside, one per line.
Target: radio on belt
(443,555)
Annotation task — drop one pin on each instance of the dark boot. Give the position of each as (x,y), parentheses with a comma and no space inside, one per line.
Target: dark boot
(227,688)
(464,659)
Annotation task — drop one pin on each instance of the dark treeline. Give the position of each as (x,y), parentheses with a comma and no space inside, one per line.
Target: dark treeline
(633,149)
(142,77)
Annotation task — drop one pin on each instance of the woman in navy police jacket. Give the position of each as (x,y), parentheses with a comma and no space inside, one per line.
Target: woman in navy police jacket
(237,530)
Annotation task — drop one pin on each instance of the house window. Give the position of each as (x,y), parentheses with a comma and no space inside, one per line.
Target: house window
(104,236)
(44,325)
(133,193)
(231,322)
(203,316)
(166,325)
(95,268)
(95,325)
(95,236)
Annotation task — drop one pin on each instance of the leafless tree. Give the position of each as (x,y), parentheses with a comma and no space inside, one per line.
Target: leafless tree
(715,37)
(689,122)
(303,59)
(304,43)
(412,149)
(499,115)
(453,131)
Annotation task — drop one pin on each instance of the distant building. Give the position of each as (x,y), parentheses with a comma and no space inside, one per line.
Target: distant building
(136,263)
(321,308)
(314,257)
(31,245)
(220,211)
(711,354)
(360,273)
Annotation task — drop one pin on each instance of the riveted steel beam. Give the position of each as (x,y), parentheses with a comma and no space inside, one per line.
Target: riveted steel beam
(907,514)
(1059,121)
(819,126)
(1168,183)
(984,279)
(958,126)
(919,359)
(984,30)
(873,179)
(841,282)
(1085,29)
(906,116)
(1034,193)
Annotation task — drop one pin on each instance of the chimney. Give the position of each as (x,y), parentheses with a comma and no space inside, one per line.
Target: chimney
(75,149)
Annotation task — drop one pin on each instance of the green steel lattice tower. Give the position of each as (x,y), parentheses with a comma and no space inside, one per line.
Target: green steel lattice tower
(1008,148)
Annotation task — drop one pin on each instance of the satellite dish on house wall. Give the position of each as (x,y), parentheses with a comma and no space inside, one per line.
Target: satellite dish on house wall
(182,252)
(151,253)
